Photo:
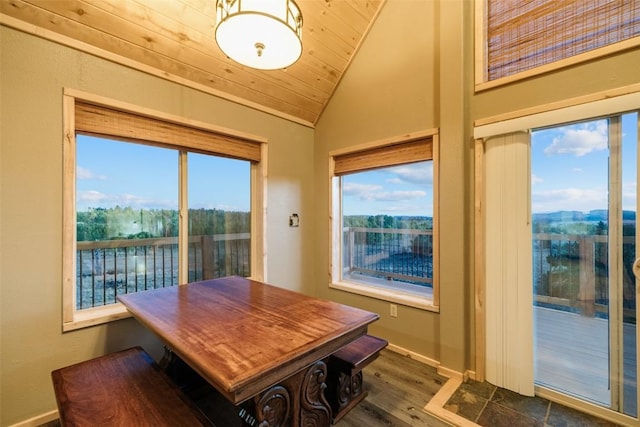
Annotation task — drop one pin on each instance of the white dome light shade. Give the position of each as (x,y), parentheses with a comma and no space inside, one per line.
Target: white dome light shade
(262,34)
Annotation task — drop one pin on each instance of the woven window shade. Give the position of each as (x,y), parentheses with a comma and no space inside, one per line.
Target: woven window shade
(102,121)
(524,34)
(389,155)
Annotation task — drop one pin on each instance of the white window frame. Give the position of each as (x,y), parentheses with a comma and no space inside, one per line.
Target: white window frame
(72,318)
(480,43)
(335,224)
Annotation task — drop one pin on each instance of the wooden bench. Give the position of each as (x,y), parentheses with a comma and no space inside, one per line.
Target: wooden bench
(122,389)
(344,380)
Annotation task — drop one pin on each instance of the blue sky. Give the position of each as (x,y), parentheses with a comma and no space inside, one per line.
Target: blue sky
(400,190)
(569,166)
(111,173)
(569,172)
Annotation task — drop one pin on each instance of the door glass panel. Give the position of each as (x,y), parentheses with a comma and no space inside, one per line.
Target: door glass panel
(219,192)
(630,251)
(570,260)
(584,300)
(584,186)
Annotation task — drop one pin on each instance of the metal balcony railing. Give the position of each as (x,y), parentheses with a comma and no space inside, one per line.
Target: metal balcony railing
(404,255)
(108,268)
(570,272)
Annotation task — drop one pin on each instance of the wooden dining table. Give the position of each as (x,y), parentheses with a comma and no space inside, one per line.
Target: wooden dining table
(263,347)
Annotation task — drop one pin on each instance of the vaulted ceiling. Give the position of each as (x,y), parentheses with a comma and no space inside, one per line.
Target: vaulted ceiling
(175,39)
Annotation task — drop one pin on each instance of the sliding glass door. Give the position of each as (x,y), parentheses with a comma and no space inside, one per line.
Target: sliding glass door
(584,187)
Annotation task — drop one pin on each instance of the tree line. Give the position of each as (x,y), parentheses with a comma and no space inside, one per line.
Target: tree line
(388,221)
(128,223)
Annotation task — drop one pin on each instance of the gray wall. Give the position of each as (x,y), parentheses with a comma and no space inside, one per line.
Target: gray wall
(413,72)
(405,80)
(34,73)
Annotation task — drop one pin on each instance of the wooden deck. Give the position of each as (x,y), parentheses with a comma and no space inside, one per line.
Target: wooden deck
(573,356)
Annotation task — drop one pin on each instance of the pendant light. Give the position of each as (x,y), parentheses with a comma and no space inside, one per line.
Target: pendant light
(262,34)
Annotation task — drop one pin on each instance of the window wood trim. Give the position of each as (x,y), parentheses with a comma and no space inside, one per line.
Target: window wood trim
(73,319)
(385,156)
(480,260)
(98,120)
(604,103)
(561,110)
(385,147)
(94,99)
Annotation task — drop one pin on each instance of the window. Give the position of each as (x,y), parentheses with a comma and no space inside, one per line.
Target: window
(152,202)
(521,36)
(384,230)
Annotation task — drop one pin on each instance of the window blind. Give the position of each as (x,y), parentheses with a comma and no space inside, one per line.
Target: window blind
(99,121)
(389,155)
(508,254)
(524,34)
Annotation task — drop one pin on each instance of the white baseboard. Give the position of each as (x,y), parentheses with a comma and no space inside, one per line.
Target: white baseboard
(412,355)
(444,371)
(435,406)
(38,420)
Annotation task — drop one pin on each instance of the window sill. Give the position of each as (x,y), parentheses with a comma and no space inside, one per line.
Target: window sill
(96,316)
(390,295)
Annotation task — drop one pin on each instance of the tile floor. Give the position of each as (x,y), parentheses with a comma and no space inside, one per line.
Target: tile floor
(488,405)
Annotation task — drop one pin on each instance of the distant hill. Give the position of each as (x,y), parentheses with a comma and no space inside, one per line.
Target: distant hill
(577,216)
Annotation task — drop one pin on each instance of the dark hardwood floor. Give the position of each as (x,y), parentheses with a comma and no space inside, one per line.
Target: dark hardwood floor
(399,388)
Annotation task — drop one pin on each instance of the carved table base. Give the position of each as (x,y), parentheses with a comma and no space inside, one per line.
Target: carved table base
(344,392)
(297,402)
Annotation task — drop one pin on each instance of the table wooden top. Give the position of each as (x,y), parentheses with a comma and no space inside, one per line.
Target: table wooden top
(242,335)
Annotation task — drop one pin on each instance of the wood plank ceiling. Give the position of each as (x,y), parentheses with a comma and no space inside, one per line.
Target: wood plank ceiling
(176,39)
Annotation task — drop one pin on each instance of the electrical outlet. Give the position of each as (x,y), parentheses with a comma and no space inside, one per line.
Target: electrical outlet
(393,310)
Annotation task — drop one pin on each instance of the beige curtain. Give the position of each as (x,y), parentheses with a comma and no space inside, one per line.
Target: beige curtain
(508,275)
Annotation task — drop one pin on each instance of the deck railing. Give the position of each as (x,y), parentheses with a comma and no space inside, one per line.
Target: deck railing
(570,272)
(394,254)
(108,268)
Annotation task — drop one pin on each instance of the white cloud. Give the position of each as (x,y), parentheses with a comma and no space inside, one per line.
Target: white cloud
(90,196)
(395,196)
(95,199)
(579,140)
(535,179)
(83,173)
(408,210)
(575,199)
(372,192)
(420,173)
(356,189)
